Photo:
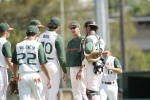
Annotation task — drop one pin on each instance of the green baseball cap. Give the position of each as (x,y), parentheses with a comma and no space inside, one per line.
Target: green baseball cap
(37,23)
(55,21)
(33,29)
(74,23)
(4,27)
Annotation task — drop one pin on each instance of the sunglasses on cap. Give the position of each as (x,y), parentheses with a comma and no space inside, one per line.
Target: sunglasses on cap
(74,27)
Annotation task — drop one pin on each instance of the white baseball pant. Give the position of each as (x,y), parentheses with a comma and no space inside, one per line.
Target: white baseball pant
(54,70)
(30,84)
(92,80)
(3,83)
(78,86)
(109,91)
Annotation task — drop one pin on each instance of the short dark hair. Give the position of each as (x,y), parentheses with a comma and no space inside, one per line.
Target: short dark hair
(93,28)
(30,33)
(52,26)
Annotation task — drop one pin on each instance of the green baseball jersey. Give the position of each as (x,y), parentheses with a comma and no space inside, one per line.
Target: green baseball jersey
(5,51)
(73,54)
(29,54)
(54,47)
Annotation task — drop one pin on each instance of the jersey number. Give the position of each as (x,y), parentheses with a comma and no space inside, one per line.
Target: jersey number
(110,72)
(28,58)
(48,47)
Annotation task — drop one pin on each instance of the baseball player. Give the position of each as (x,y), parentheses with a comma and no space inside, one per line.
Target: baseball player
(93,44)
(109,87)
(54,49)
(29,55)
(5,58)
(74,62)
(37,23)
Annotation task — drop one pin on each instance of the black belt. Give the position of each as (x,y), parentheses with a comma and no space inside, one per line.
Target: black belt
(50,58)
(2,67)
(37,71)
(108,82)
(91,92)
(32,71)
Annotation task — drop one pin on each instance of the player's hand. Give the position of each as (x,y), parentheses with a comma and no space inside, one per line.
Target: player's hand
(109,68)
(49,84)
(78,76)
(65,77)
(15,79)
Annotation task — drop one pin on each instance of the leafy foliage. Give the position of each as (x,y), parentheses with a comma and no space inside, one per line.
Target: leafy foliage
(135,58)
(135,7)
(139,7)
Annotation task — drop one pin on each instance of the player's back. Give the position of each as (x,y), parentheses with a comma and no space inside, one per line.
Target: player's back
(27,56)
(48,40)
(97,42)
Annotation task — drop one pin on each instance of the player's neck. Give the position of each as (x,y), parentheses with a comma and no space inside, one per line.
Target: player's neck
(92,32)
(3,36)
(31,38)
(77,35)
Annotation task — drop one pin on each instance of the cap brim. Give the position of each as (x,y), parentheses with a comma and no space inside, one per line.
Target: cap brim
(10,29)
(40,26)
(73,25)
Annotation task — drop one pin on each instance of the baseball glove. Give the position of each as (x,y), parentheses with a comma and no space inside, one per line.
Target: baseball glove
(94,56)
(13,86)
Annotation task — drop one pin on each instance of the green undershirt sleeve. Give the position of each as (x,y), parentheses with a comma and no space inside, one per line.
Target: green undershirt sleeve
(117,63)
(59,44)
(88,46)
(41,55)
(6,50)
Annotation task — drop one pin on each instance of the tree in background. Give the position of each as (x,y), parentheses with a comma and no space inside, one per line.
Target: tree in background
(135,7)
(136,60)
(139,7)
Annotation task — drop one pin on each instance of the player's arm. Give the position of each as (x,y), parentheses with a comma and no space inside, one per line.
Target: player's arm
(43,61)
(45,70)
(67,53)
(79,76)
(117,67)
(15,69)
(59,44)
(88,46)
(15,63)
(6,50)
